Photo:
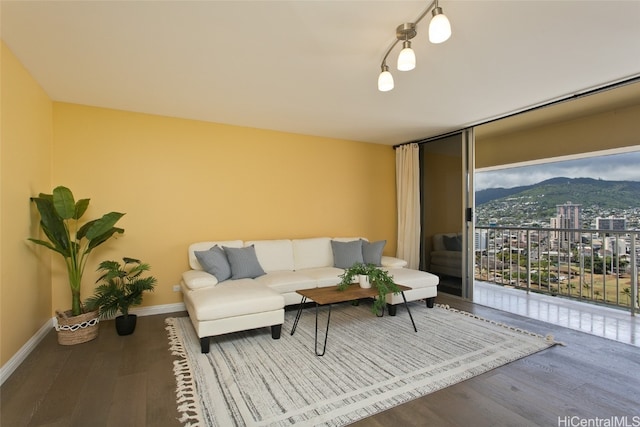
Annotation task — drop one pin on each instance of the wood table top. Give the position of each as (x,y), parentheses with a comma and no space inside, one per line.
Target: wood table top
(331,294)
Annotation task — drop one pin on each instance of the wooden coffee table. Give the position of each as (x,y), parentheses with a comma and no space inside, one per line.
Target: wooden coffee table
(331,295)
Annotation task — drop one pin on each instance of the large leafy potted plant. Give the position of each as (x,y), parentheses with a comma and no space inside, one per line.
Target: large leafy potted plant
(121,288)
(379,279)
(60,220)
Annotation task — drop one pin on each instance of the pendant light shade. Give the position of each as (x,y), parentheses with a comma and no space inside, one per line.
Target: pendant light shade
(385,80)
(439,27)
(406,58)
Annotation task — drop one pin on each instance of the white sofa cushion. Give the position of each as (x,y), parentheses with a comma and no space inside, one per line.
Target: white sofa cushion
(312,253)
(422,284)
(324,276)
(196,279)
(274,255)
(413,278)
(286,281)
(234,298)
(205,246)
(392,262)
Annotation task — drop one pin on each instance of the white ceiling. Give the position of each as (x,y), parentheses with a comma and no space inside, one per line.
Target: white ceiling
(311,67)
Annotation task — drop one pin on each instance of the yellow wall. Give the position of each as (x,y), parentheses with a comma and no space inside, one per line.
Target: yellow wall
(181,181)
(178,181)
(613,129)
(25,169)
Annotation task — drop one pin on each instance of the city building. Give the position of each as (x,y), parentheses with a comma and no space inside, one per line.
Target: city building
(611,223)
(481,240)
(567,216)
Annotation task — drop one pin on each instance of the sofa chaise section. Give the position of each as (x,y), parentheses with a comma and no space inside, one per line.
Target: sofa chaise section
(423,286)
(232,306)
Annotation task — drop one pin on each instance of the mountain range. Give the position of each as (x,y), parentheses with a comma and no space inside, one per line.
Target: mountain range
(538,201)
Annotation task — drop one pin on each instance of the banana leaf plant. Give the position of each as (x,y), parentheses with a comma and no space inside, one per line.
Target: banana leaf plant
(60,221)
(121,288)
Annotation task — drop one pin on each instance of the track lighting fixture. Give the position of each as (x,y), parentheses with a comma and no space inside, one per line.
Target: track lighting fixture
(406,58)
(385,79)
(439,31)
(439,27)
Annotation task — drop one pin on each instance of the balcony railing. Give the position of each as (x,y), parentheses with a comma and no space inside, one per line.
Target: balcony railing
(596,266)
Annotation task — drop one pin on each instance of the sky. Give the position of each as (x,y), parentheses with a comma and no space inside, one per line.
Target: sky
(612,167)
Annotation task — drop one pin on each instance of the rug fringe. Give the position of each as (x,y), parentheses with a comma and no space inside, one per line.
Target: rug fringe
(186,398)
(549,339)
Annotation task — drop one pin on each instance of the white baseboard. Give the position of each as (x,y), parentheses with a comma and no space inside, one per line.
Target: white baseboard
(17,359)
(8,368)
(159,309)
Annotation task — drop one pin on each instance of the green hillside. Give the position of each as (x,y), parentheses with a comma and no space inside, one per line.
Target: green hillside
(537,203)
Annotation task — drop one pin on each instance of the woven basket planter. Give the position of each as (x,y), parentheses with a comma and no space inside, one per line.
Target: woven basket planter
(77,329)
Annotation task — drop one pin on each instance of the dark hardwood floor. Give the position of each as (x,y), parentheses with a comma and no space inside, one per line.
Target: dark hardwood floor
(110,381)
(128,381)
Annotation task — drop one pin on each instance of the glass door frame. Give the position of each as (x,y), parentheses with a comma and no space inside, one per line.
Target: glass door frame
(467,215)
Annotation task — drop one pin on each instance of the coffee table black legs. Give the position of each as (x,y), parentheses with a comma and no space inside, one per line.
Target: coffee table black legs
(409,311)
(298,314)
(326,333)
(391,309)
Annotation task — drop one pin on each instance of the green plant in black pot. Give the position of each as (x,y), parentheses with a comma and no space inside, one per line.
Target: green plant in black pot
(122,286)
(379,279)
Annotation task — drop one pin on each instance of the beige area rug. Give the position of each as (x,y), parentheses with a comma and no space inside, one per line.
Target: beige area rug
(371,364)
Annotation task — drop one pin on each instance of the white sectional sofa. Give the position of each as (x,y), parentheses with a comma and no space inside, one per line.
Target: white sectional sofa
(251,298)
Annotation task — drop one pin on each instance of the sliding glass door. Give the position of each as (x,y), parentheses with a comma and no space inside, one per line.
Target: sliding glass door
(446,183)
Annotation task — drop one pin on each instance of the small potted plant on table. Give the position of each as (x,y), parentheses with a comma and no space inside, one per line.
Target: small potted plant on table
(377,277)
(121,288)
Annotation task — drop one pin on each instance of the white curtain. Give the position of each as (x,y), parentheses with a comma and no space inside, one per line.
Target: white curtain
(408,190)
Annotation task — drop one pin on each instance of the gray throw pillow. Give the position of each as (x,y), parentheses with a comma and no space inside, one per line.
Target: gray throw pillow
(453,243)
(214,261)
(372,252)
(244,263)
(345,254)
